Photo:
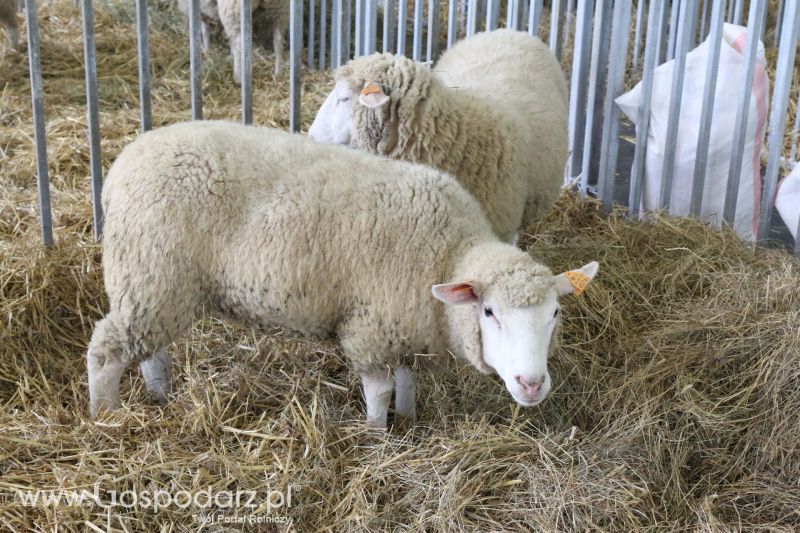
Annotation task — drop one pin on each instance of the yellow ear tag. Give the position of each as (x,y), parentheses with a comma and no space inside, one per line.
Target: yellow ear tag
(578,280)
(370,88)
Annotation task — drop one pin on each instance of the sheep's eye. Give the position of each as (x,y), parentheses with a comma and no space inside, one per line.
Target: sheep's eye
(488,312)
(344,99)
(556,313)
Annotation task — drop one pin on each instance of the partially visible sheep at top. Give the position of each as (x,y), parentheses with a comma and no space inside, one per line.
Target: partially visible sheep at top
(227,12)
(493,113)
(8,19)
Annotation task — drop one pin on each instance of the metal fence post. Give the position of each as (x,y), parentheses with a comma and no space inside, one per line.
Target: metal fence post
(433,30)
(143,52)
(402,17)
(707,110)
(323,38)
(246,22)
(296,61)
(310,47)
(416,49)
(757,11)
(535,17)
(787,52)
(195,61)
(637,35)
(452,21)
(675,101)
(39,132)
(370,25)
(616,84)
(577,93)
(388,26)
(93,115)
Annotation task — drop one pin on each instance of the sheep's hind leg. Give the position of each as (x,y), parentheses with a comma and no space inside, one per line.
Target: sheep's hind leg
(277,45)
(378,386)
(405,401)
(157,374)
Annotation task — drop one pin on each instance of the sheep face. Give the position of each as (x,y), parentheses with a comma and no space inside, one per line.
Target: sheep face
(334,121)
(518,326)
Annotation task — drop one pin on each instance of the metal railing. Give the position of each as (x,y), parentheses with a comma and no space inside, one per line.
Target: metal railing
(606,54)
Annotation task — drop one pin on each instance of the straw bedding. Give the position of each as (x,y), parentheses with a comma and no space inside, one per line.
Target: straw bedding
(677,384)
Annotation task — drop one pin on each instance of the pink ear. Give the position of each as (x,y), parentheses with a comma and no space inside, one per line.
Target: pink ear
(372,96)
(456,293)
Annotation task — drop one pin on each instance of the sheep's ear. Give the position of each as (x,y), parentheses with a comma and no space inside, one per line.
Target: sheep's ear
(372,95)
(576,281)
(456,293)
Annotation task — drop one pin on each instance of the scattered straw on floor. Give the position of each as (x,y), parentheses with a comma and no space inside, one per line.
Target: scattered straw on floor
(677,384)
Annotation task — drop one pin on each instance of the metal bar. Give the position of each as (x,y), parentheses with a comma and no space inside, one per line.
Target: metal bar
(452,22)
(535,17)
(577,93)
(433,30)
(359,28)
(555,10)
(637,36)
(143,52)
(673,28)
(675,101)
(757,12)
(779,22)
(323,37)
(195,61)
(472,17)
(704,19)
(787,51)
(569,10)
(370,26)
(737,12)
(93,116)
(492,13)
(416,52)
(39,132)
(402,18)
(661,33)
(516,19)
(336,33)
(599,35)
(388,25)
(643,122)
(246,22)
(310,47)
(707,110)
(795,131)
(616,84)
(346,30)
(693,20)
(729,20)
(295,62)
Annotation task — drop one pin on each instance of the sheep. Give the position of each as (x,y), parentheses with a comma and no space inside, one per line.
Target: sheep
(493,113)
(271,228)
(8,19)
(228,12)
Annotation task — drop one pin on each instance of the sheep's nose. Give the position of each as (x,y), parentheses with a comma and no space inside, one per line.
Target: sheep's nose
(530,386)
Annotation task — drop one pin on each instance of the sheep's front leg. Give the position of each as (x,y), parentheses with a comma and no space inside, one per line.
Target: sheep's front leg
(378,386)
(277,45)
(205,31)
(157,374)
(405,400)
(104,378)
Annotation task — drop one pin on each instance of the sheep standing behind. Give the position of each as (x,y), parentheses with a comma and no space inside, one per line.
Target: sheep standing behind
(493,113)
(228,13)
(8,19)
(272,228)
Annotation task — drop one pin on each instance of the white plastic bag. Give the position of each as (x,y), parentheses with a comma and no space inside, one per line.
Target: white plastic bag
(787,200)
(729,83)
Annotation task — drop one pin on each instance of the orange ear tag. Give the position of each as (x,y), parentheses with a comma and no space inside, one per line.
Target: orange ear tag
(578,280)
(370,88)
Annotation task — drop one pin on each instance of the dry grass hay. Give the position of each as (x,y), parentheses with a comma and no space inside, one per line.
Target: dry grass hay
(677,384)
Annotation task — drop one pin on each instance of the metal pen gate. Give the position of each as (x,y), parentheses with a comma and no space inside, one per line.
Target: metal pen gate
(602,42)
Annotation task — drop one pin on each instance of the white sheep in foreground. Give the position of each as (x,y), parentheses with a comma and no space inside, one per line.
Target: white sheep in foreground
(8,20)
(272,228)
(493,113)
(228,12)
